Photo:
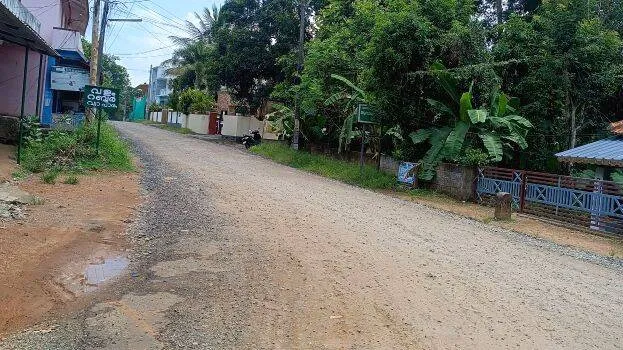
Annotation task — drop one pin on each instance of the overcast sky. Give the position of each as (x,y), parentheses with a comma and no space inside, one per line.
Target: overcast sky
(139,45)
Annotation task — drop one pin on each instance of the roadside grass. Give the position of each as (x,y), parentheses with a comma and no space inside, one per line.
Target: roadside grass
(71,180)
(145,121)
(50,176)
(345,172)
(176,129)
(73,152)
(19,174)
(386,184)
(349,173)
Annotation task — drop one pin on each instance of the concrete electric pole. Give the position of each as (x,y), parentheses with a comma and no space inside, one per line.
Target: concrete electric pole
(102,38)
(95,42)
(99,74)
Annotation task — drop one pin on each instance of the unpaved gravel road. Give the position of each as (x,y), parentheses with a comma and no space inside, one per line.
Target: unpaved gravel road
(236,252)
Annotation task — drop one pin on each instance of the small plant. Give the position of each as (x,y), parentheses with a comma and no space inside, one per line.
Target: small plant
(31,129)
(50,176)
(154,107)
(37,201)
(488,220)
(473,157)
(71,180)
(176,129)
(19,174)
(343,171)
(281,120)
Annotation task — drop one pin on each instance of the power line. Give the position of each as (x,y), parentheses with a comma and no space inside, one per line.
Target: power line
(143,52)
(177,19)
(120,29)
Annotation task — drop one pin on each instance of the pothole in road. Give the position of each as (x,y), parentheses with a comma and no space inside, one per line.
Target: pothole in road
(96,273)
(103,270)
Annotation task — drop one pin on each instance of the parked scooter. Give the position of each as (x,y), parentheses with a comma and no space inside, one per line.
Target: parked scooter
(251,139)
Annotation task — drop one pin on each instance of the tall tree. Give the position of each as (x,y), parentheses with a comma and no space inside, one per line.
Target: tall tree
(569,67)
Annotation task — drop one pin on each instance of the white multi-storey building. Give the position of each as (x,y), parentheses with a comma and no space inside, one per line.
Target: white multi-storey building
(159,86)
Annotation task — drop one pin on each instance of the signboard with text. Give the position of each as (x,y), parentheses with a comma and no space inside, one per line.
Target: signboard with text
(68,78)
(365,114)
(106,99)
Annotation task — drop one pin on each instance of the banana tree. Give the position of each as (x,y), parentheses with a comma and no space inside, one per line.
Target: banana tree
(497,129)
(350,101)
(281,120)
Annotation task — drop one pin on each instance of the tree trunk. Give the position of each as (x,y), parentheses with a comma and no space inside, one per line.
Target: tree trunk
(573,140)
(499,10)
(575,111)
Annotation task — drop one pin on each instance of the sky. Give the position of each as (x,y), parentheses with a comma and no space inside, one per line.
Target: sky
(139,45)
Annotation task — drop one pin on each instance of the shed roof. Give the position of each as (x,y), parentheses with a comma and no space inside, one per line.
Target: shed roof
(606,152)
(16,27)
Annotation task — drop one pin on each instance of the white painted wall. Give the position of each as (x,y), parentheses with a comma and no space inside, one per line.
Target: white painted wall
(155,116)
(237,126)
(198,123)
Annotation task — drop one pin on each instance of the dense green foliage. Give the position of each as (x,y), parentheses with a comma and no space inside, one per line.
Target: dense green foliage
(75,151)
(237,46)
(494,129)
(194,101)
(332,168)
(560,61)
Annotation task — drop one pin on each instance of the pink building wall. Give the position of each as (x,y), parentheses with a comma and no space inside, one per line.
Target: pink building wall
(11,78)
(49,13)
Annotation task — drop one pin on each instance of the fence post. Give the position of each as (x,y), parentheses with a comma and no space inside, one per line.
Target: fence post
(522,191)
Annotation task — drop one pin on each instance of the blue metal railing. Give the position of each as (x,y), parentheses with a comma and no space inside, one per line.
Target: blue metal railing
(594,203)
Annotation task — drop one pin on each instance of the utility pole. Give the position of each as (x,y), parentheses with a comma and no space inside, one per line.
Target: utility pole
(95,43)
(102,38)
(299,68)
(147,101)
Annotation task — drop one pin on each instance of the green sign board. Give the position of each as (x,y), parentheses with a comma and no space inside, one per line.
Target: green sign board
(102,98)
(365,114)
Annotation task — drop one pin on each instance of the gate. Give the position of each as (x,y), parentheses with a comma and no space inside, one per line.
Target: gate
(588,203)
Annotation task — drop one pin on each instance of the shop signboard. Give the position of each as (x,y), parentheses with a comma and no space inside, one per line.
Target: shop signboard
(102,98)
(68,78)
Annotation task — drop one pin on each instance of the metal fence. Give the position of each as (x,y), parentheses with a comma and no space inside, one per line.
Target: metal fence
(592,204)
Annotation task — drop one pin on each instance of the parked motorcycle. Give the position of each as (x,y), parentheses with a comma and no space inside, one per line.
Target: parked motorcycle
(251,139)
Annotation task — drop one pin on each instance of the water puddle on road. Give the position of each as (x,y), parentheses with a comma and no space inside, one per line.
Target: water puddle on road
(97,272)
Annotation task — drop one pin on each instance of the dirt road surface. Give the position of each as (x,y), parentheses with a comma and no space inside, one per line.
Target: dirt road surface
(236,252)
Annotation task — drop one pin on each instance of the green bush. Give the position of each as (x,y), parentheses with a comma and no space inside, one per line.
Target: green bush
(473,157)
(194,101)
(154,107)
(332,168)
(71,180)
(49,177)
(75,150)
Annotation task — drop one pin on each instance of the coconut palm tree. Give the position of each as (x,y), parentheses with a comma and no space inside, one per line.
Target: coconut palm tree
(202,31)
(194,56)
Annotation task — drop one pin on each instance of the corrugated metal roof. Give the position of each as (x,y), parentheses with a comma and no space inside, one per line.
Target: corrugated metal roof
(608,152)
